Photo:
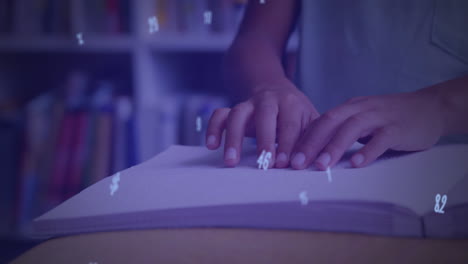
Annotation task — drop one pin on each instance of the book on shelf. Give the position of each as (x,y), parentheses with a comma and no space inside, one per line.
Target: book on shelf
(104,106)
(108,17)
(11,141)
(6,16)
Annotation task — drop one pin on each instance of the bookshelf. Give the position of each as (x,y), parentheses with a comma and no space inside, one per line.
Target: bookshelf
(151,62)
(66,44)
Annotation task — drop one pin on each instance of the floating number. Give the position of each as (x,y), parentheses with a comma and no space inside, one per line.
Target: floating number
(437,208)
(329,174)
(153,24)
(264,160)
(79,36)
(207,17)
(199,124)
(303,197)
(114,186)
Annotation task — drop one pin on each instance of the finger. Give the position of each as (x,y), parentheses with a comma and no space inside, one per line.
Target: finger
(216,126)
(289,130)
(236,124)
(381,141)
(348,133)
(319,134)
(266,114)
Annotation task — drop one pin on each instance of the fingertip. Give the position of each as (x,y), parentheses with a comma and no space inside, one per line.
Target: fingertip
(298,161)
(323,161)
(211,142)
(230,157)
(319,166)
(358,160)
(281,160)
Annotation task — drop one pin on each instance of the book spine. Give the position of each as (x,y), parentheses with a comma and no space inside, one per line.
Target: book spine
(6,16)
(125,16)
(19,16)
(168,120)
(62,18)
(103,147)
(77,151)
(103,106)
(88,164)
(50,148)
(131,143)
(77,15)
(121,118)
(50,17)
(10,154)
(113,23)
(62,159)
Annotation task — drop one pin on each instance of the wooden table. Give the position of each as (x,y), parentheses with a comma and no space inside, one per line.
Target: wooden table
(242,246)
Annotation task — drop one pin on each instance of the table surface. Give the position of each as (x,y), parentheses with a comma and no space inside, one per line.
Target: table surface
(242,246)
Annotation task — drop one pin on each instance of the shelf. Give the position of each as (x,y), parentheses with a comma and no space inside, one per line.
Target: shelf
(66,44)
(197,43)
(187,42)
(107,44)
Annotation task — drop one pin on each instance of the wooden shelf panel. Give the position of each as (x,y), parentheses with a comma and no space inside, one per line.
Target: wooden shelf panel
(197,43)
(66,44)
(106,44)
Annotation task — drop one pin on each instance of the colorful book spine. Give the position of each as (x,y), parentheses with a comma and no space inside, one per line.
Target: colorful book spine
(62,159)
(48,159)
(77,152)
(103,105)
(125,14)
(113,20)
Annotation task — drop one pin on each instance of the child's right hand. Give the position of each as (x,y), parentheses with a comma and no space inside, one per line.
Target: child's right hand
(279,113)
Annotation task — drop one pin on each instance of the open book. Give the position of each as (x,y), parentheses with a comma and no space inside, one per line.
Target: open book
(190,187)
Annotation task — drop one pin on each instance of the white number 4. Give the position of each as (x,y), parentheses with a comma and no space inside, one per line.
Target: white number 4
(264,160)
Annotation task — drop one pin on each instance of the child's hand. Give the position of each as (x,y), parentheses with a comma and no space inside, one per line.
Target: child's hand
(279,112)
(409,122)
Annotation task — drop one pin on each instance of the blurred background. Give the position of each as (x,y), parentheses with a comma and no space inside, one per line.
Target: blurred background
(91,87)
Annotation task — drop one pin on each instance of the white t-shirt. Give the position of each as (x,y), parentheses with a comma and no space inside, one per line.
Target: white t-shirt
(352,48)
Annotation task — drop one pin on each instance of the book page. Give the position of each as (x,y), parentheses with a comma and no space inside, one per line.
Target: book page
(184,177)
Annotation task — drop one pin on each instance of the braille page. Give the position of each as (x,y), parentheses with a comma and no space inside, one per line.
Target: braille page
(191,177)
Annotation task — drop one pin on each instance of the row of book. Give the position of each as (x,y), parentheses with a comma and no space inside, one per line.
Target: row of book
(188,16)
(59,17)
(38,17)
(71,140)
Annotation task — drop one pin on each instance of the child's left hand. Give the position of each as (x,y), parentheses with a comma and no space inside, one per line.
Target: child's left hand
(409,122)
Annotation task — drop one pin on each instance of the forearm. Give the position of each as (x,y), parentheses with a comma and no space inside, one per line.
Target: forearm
(251,66)
(254,61)
(453,99)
